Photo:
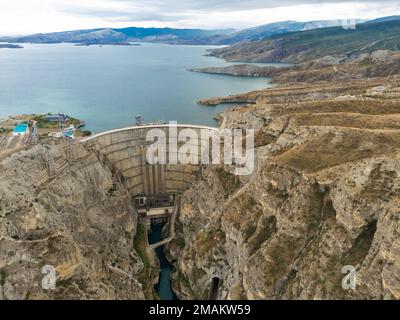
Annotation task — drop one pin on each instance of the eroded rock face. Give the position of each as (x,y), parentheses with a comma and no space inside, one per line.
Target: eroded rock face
(79,220)
(324,195)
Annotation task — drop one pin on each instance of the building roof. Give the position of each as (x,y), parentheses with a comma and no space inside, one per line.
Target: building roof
(21,128)
(55,117)
(52,118)
(69,134)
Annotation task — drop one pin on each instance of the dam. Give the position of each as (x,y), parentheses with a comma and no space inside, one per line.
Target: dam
(155,188)
(126,149)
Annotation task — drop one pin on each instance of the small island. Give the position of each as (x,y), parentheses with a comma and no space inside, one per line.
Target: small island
(10,46)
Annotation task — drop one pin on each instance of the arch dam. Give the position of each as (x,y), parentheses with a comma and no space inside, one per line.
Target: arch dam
(126,150)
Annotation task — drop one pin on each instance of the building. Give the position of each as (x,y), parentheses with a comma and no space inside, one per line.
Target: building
(21,130)
(55,117)
(155,208)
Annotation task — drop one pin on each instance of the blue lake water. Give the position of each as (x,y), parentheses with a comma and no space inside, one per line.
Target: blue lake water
(108,86)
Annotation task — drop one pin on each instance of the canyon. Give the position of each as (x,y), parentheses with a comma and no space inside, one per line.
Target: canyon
(324,195)
(77,219)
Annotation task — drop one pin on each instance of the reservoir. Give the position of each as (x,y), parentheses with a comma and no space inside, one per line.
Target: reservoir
(108,86)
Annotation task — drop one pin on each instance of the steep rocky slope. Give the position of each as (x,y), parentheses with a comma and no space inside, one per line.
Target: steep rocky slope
(324,195)
(79,220)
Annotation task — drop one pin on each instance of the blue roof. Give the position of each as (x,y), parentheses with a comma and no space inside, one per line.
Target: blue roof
(21,128)
(69,133)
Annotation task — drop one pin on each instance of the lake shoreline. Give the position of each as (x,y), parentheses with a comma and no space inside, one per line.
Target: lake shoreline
(66,78)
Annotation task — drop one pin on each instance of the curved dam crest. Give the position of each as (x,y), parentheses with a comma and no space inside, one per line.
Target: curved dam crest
(125,148)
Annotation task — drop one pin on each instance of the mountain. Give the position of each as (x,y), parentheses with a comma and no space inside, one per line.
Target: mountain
(305,45)
(124,35)
(384,19)
(271,29)
(174,36)
(100,36)
(183,36)
(171,35)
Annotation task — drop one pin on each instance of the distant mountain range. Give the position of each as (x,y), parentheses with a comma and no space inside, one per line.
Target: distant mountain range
(125,35)
(385,19)
(271,29)
(298,47)
(179,36)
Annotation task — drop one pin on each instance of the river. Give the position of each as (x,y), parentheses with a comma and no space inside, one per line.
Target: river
(164,287)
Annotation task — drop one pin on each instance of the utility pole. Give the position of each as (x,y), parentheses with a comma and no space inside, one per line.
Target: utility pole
(34,135)
(138,120)
(69,150)
(49,160)
(61,122)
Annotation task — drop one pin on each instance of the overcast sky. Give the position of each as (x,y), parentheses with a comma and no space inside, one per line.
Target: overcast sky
(31,16)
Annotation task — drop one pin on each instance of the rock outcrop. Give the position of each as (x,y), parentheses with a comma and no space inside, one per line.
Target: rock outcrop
(78,220)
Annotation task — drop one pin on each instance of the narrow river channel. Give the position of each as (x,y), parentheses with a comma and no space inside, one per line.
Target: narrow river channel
(164,287)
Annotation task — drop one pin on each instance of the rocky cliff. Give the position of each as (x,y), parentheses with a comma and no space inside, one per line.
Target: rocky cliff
(324,195)
(78,219)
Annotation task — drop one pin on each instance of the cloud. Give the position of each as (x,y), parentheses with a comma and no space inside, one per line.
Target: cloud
(233,5)
(227,13)
(181,10)
(28,16)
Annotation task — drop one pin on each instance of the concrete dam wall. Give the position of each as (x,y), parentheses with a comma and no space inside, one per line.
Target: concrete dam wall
(126,150)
